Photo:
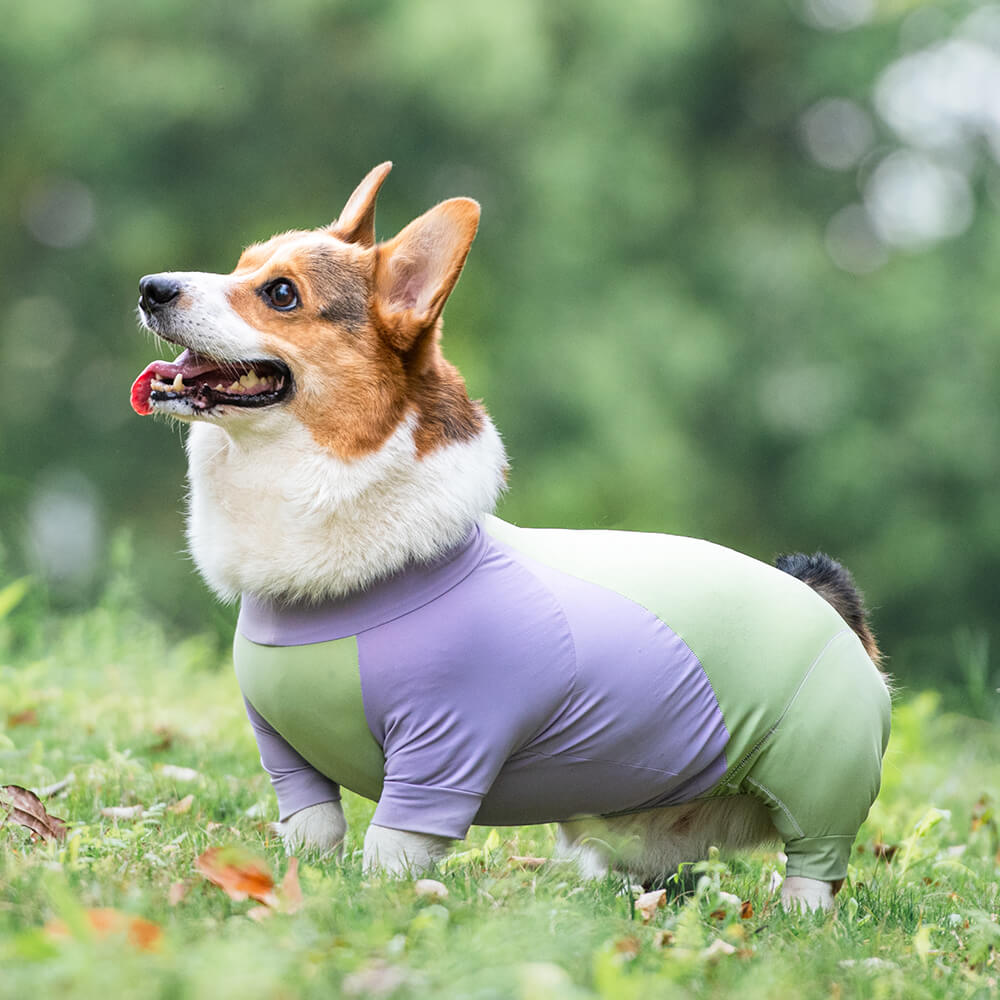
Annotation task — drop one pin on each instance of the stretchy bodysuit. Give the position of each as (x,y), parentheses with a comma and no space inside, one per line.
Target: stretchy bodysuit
(540,675)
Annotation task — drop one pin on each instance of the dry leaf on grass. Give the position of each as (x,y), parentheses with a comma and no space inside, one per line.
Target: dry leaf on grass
(29,717)
(531,864)
(57,788)
(106,922)
(649,902)
(663,939)
(26,809)
(241,874)
(716,950)
(183,806)
(884,851)
(746,910)
(628,948)
(122,812)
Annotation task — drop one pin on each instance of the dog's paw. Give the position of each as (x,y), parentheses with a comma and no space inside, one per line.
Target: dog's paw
(800,893)
(320,827)
(399,852)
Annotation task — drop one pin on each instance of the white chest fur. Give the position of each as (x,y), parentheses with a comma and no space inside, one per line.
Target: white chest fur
(273,514)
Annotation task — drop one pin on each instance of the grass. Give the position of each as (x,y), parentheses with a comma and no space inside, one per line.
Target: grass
(109,698)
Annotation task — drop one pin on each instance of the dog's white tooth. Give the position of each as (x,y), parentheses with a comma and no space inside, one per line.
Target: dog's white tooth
(249,380)
(234,387)
(220,387)
(178,385)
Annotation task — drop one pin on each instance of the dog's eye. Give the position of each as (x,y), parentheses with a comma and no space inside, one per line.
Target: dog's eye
(281,294)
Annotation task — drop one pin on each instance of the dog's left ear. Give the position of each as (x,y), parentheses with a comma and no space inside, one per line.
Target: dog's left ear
(356,223)
(416,270)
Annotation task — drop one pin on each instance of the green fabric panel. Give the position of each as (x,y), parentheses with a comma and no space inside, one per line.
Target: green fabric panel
(329,725)
(755,629)
(821,769)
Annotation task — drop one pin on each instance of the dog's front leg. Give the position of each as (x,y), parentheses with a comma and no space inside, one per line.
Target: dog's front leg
(400,852)
(320,827)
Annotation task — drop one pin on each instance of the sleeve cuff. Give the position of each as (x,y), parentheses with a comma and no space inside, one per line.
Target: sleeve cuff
(823,858)
(445,812)
(298,790)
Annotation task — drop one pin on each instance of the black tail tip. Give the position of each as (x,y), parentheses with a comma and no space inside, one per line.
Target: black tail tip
(834,583)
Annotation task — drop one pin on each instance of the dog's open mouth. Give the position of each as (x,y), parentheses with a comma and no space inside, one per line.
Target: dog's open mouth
(200,383)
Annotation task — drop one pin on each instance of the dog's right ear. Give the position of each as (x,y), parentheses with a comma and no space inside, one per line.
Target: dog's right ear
(356,223)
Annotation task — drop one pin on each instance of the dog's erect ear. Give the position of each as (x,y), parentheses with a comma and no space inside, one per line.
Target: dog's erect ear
(417,269)
(356,224)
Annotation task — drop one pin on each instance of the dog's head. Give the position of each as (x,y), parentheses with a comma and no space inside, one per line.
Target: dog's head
(324,325)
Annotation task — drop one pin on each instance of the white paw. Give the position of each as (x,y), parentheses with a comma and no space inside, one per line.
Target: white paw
(320,827)
(399,852)
(801,893)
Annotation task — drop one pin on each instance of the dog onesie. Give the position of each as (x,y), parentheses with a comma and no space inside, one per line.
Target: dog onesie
(535,675)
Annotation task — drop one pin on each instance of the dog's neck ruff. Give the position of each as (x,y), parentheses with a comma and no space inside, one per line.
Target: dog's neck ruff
(275,516)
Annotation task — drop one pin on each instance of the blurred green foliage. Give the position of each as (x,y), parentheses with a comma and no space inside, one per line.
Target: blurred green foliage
(652,311)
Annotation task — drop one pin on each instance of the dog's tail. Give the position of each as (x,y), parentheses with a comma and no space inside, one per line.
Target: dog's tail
(835,584)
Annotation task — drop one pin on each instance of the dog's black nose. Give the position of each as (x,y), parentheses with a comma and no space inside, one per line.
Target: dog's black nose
(157,290)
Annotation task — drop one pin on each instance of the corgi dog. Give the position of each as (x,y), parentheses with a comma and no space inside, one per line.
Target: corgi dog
(652,694)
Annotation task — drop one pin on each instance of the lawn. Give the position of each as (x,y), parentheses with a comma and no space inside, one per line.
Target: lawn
(140,741)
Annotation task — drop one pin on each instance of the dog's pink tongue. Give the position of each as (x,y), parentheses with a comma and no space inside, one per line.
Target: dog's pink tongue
(188,364)
(141,390)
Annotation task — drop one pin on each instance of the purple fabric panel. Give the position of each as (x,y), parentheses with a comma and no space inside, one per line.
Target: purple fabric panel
(454,689)
(296,783)
(526,695)
(271,623)
(642,699)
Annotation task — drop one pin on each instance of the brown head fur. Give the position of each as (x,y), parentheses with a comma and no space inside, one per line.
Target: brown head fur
(363,341)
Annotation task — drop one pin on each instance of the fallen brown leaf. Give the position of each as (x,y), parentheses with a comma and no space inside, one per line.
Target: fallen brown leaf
(716,950)
(165,740)
(29,717)
(628,947)
(183,806)
(663,939)
(57,788)
(239,872)
(531,864)
(26,809)
(746,910)
(884,851)
(649,902)
(105,922)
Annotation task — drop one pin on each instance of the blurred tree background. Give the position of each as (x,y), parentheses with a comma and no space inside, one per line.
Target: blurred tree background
(736,275)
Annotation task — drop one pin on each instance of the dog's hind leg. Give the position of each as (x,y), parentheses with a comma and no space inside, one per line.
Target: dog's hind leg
(652,845)
(799,892)
(580,841)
